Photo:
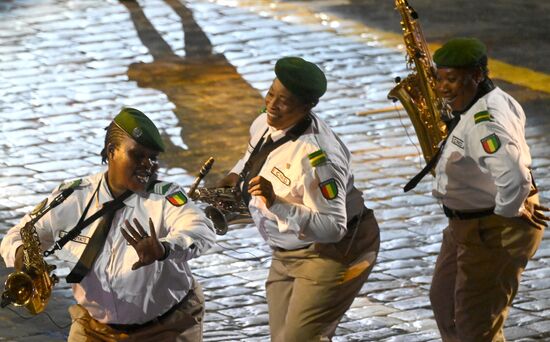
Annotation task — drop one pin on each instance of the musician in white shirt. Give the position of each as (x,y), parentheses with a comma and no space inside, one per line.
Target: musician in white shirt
(484,182)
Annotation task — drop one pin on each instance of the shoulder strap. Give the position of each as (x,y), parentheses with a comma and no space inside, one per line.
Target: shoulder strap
(109,207)
(261,152)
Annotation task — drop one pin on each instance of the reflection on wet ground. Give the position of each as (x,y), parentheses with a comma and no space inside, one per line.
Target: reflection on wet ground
(68,66)
(214,105)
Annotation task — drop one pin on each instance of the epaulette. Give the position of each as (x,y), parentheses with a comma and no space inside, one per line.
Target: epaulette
(482,116)
(159,187)
(317,158)
(70,185)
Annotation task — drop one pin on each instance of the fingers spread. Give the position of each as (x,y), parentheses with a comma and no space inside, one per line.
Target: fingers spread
(142,232)
(128,237)
(132,231)
(541,207)
(152,229)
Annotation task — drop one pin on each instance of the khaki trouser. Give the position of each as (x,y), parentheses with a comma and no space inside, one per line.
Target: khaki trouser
(477,275)
(183,324)
(308,293)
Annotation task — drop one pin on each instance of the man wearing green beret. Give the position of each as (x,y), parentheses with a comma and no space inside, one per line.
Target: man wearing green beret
(296,178)
(129,271)
(484,182)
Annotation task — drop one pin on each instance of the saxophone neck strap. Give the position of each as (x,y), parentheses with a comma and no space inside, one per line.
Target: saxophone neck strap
(431,164)
(111,206)
(263,149)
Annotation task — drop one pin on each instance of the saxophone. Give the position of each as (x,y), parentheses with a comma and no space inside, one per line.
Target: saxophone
(225,205)
(32,287)
(417,92)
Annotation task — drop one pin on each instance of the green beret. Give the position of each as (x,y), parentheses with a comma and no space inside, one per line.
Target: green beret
(302,78)
(140,128)
(459,53)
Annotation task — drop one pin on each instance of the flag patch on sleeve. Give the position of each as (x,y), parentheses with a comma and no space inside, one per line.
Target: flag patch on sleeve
(329,189)
(177,198)
(491,143)
(482,116)
(316,158)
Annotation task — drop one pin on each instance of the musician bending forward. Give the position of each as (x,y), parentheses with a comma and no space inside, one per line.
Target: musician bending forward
(135,283)
(296,177)
(484,182)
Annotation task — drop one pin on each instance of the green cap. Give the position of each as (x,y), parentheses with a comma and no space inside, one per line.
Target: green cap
(140,128)
(302,78)
(459,53)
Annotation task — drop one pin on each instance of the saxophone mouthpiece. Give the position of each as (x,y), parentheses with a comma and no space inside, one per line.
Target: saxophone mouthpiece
(206,167)
(202,172)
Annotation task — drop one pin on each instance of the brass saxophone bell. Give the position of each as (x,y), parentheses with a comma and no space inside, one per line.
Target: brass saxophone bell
(18,289)
(218,218)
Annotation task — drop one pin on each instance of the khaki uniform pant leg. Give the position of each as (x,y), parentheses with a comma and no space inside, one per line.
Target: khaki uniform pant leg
(278,292)
(442,290)
(308,294)
(184,324)
(491,254)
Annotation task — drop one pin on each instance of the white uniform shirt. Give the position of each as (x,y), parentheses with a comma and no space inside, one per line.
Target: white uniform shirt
(112,292)
(301,214)
(485,162)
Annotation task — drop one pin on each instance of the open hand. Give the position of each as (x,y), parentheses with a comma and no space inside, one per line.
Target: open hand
(230,180)
(148,248)
(533,214)
(261,187)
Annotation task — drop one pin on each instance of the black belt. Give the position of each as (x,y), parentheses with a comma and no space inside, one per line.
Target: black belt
(469,215)
(129,328)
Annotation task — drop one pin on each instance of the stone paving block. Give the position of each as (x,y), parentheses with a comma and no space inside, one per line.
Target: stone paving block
(413,303)
(401,253)
(520,333)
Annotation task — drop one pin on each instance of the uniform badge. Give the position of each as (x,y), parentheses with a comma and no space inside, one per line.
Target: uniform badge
(458,142)
(482,116)
(177,198)
(79,238)
(280,176)
(491,143)
(329,189)
(317,158)
(137,132)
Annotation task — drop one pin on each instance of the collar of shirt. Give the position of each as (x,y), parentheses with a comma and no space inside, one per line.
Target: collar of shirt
(104,195)
(276,134)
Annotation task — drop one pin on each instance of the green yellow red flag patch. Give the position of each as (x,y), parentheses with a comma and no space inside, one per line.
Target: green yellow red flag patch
(482,116)
(316,158)
(177,198)
(491,143)
(329,189)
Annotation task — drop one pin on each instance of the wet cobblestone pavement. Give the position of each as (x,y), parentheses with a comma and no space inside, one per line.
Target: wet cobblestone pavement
(66,68)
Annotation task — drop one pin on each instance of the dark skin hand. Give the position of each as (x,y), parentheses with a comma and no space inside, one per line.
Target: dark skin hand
(19,258)
(148,248)
(229,181)
(534,216)
(261,187)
